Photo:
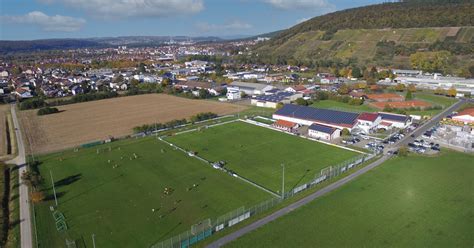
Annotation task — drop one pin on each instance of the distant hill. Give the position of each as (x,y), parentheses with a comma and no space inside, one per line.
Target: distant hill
(377,34)
(7,46)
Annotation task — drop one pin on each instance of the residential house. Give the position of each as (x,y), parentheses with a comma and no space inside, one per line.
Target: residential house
(23,93)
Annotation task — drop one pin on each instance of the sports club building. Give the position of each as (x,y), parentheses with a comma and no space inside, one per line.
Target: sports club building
(365,122)
(307,116)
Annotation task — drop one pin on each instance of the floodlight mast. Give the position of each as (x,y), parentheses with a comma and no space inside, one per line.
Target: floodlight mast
(54,189)
(283,182)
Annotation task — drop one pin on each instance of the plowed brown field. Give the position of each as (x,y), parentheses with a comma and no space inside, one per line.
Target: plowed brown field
(85,122)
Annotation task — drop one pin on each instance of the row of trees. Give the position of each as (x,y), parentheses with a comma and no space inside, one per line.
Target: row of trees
(147,128)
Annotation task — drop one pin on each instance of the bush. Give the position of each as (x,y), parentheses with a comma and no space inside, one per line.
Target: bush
(47,111)
(32,103)
(302,102)
(345,132)
(403,151)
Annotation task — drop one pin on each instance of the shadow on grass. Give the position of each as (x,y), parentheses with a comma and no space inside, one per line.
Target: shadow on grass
(14,223)
(95,187)
(68,180)
(50,197)
(166,234)
(301,179)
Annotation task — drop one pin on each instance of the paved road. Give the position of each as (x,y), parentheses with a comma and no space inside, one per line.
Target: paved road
(226,239)
(20,160)
(429,124)
(259,223)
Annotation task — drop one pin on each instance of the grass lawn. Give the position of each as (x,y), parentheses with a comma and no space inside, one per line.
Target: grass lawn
(434,100)
(116,204)
(335,105)
(257,153)
(407,202)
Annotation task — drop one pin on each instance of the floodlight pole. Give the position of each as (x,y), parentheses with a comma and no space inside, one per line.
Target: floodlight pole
(93,240)
(54,189)
(283,182)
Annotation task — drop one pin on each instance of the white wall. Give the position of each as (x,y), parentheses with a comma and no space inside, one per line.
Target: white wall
(305,122)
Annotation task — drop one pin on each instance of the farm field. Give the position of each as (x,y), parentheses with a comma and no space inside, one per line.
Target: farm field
(116,204)
(415,201)
(331,104)
(257,153)
(85,122)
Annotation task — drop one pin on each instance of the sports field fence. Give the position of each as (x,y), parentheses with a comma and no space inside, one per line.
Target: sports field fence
(194,235)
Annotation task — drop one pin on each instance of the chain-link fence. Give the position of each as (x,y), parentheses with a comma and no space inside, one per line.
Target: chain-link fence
(188,238)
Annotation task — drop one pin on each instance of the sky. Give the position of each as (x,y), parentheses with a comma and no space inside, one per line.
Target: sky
(45,19)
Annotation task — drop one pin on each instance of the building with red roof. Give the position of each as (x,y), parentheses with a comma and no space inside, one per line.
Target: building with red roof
(285,125)
(466,116)
(368,122)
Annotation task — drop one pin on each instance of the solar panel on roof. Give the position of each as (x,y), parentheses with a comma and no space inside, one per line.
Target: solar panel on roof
(322,115)
(400,118)
(322,128)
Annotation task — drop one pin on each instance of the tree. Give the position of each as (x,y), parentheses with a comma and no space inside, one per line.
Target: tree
(134,82)
(16,71)
(142,68)
(411,88)
(452,92)
(343,89)
(118,79)
(279,105)
(409,95)
(403,151)
(356,73)
(302,102)
(203,94)
(400,87)
(471,71)
(243,94)
(166,82)
(345,132)
(440,91)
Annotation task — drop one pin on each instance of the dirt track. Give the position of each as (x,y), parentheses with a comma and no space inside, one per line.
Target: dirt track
(91,121)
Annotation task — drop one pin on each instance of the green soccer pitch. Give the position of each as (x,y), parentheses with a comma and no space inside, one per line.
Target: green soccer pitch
(415,201)
(133,201)
(257,153)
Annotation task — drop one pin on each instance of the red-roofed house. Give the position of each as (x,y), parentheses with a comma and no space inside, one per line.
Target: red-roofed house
(368,122)
(466,116)
(285,125)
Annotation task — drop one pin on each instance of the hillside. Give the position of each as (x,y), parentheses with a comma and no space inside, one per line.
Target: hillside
(383,34)
(7,46)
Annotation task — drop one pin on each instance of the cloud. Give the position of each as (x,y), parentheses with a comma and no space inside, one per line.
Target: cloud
(231,26)
(134,8)
(302,20)
(56,23)
(299,4)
